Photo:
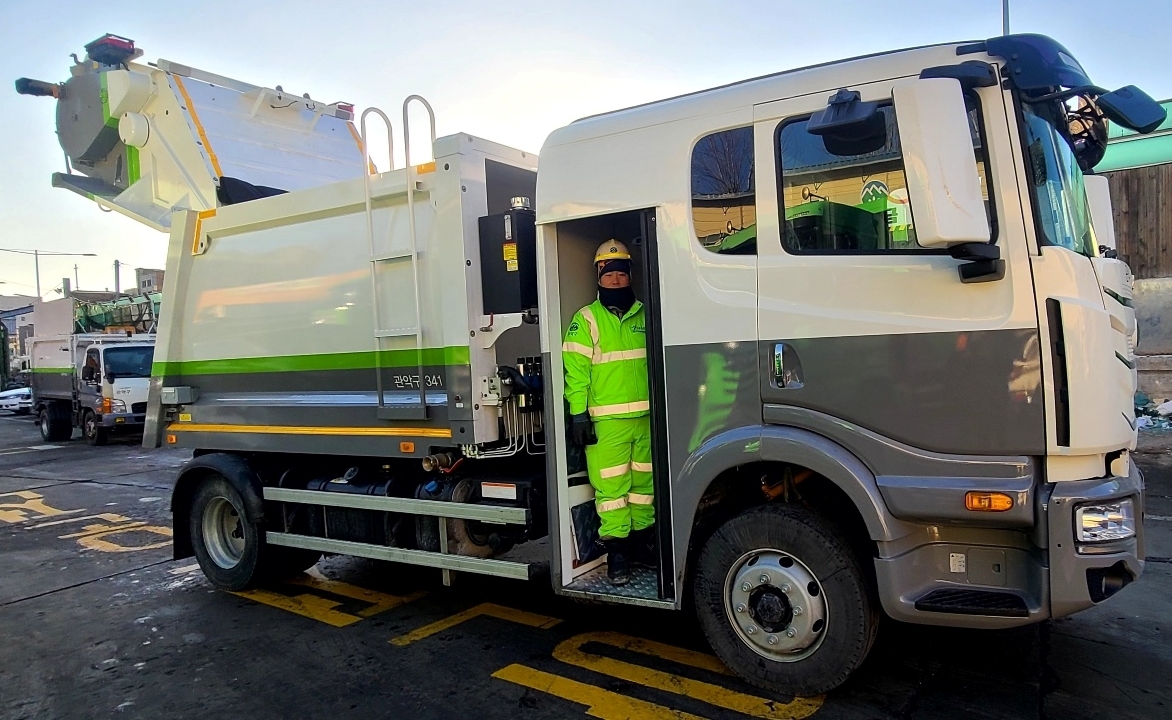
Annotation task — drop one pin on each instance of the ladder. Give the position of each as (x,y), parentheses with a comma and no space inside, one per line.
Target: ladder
(418,409)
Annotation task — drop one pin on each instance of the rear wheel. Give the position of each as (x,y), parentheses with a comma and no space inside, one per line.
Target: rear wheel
(92,430)
(54,424)
(783,601)
(229,547)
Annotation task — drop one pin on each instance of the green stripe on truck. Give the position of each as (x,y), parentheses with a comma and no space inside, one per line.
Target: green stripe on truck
(363,360)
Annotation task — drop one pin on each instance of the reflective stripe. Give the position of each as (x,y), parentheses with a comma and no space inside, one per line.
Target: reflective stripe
(620,408)
(578,348)
(608,505)
(640,467)
(616,471)
(617,355)
(588,316)
(637,499)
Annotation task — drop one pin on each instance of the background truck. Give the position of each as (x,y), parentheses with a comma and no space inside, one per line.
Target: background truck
(889,372)
(94,372)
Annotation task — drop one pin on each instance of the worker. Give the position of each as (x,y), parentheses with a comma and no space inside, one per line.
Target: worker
(605,356)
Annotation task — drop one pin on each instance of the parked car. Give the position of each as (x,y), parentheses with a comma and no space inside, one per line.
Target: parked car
(19,401)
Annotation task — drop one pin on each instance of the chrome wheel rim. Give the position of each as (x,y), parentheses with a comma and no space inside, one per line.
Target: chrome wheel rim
(776,605)
(223,532)
(91,426)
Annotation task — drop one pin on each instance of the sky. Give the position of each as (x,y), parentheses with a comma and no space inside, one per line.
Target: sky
(511,72)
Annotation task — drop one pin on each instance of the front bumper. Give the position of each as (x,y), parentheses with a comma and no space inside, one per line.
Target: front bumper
(998,578)
(1083,574)
(123,421)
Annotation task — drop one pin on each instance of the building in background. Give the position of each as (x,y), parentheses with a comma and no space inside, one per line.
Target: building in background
(148,280)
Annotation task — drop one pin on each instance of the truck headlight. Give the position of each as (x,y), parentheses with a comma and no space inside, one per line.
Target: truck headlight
(1108,521)
(118,406)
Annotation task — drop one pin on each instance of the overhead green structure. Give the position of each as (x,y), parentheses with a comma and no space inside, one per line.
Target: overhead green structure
(1127,149)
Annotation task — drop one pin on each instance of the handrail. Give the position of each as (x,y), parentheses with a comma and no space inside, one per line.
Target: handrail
(367,167)
(411,222)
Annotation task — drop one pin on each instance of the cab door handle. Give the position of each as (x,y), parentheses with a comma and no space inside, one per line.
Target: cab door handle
(787,367)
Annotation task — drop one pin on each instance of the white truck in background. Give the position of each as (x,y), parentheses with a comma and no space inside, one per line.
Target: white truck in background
(96,380)
(889,370)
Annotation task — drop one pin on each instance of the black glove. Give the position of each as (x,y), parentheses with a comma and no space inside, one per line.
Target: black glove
(582,430)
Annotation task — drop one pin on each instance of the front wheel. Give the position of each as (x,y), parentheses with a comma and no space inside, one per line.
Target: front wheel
(783,601)
(92,430)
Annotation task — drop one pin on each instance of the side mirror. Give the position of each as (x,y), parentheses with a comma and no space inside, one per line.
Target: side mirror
(87,374)
(1099,200)
(1133,109)
(940,163)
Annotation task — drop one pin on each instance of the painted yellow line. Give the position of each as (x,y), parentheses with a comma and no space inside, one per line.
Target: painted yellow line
(307,430)
(600,703)
(500,612)
(310,606)
(379,602)
(203,136)
(570,651)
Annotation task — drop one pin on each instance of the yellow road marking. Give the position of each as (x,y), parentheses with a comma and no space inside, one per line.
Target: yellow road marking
(570,651)
(500,612)
(30,502)
(600,703)
(310,430)
(306,605)
(379,602)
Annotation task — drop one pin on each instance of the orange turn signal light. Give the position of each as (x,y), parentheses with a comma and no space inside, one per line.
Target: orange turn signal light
(988,501)
(406,447)
(171,439)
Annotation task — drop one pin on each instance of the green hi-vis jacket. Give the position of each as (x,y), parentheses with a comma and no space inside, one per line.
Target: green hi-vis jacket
(606,363)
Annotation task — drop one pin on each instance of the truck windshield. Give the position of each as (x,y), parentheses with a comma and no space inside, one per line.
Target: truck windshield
(129,361)
(1060,201)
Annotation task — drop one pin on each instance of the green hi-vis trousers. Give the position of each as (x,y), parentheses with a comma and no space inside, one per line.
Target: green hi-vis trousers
(619,465)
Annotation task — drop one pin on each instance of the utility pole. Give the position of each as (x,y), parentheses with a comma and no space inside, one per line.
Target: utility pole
(76,282)
(37,260)
(1004,17)
(117,286)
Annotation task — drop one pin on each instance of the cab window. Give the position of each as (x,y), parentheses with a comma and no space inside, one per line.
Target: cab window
(724,199)
(836,203)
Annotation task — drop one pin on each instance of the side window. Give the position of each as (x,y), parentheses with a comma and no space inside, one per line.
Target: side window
(724,196)
(852,203)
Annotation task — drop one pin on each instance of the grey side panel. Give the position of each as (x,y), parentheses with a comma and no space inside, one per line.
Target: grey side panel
(942,499)
(51,386)
(974,393)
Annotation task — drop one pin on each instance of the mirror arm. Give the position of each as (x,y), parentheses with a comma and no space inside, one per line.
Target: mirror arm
(984,263)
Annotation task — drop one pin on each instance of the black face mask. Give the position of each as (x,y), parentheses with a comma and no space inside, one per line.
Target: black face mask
(620,299)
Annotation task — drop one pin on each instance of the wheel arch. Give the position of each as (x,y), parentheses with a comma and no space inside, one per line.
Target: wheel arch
(236,469)
(735,461)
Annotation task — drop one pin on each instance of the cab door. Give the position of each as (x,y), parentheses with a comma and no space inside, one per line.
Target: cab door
(864,331)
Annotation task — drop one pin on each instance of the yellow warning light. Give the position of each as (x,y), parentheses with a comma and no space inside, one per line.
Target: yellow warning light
(171,439)
(406,447)
(427,167)
(988,501)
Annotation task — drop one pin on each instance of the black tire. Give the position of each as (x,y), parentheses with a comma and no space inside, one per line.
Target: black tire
(735,561)
(55,425)
(226,544)
(92,431)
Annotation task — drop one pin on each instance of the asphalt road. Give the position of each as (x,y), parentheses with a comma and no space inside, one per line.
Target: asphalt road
(96,620)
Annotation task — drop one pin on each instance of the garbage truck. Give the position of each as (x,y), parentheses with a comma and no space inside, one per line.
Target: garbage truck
(889,371)
(90,366)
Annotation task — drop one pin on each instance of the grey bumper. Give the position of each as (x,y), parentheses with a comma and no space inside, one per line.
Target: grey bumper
(1082,574)
(998,578)
(119,421)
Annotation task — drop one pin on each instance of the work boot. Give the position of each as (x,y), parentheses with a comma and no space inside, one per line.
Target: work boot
(642,548)
(618,567)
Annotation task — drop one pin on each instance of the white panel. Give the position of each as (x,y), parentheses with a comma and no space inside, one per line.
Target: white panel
(941,169)
(1098,190)
(1095,378)
(289,148)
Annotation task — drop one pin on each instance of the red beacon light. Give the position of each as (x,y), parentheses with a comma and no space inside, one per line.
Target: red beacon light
(111,49)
